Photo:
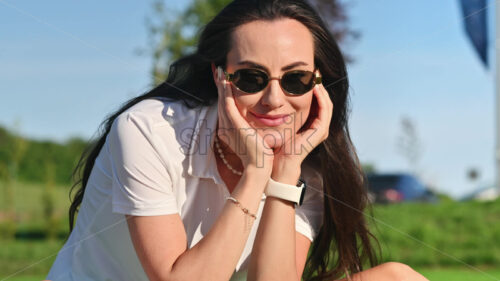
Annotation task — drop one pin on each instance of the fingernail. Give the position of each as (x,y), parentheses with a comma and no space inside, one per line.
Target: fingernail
(219,73)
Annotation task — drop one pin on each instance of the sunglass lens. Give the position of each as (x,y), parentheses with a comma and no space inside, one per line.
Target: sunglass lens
(250,80)
(298,82)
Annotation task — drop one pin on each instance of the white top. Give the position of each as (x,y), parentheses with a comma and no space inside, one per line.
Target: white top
(158,160)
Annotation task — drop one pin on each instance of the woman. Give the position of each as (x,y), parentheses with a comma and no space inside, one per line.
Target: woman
(199,178)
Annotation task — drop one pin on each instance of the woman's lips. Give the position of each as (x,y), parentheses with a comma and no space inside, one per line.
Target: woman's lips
(270,120)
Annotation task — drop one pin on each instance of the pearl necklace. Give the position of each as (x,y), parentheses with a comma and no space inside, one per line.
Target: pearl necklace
(221,155)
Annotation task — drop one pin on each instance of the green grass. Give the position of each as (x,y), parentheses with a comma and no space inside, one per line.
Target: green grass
(28,200)
(29,253)
(27,278)
(27,258)
(27,217)
(460,274)
(431,274)
(446,234)
(435,239)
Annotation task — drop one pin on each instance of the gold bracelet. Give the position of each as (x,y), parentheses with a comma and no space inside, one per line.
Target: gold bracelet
(245,210)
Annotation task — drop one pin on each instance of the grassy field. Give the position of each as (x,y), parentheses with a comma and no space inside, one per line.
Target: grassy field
(436,239)
(27,258)
(29,203)
(445,234)
(460,274)
(445,274)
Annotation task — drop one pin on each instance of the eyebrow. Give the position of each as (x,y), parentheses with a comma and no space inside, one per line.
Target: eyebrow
(258,66)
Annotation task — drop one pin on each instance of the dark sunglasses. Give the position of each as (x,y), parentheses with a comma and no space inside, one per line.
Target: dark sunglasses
(294,82)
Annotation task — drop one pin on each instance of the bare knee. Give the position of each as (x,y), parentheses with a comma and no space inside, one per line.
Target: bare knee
(389,271)
(401,272)
(396,269)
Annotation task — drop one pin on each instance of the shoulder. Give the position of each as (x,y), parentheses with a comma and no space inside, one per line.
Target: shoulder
(161,123)
(155,111)
(154,114)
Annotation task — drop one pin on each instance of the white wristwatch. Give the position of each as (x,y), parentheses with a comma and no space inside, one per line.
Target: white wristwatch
(286,191)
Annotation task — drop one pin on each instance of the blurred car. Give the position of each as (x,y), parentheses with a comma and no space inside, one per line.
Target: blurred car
(394,188)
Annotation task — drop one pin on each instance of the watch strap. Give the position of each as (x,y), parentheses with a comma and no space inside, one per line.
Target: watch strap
(286,191)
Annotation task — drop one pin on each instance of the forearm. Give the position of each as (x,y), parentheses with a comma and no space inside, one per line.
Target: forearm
(216,255)
(273,253)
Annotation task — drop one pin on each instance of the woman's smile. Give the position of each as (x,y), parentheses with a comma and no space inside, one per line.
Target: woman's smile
(271,120)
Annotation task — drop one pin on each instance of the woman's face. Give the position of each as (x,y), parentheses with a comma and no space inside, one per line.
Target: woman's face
(275,47)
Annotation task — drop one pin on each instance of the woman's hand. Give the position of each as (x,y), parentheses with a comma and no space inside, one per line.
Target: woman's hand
(289,157)
(235,131)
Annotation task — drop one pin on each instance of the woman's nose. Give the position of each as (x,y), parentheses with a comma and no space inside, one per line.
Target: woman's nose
(273,95)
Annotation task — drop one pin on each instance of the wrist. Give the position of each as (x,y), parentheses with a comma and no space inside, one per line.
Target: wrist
(281,200)
(288,174)
(258,173)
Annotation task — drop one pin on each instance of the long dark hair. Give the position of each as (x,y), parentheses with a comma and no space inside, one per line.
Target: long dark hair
(344,231)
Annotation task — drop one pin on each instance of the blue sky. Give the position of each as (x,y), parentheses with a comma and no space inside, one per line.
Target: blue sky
(65,65)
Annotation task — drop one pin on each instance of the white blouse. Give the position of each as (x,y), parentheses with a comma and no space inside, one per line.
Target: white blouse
(158,160)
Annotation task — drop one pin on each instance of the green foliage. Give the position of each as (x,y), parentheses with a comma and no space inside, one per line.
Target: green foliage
(369,168)
(7,229)
(7,225)
(174,34)
(27,160)
(446,234)
(48,202)
(29,207)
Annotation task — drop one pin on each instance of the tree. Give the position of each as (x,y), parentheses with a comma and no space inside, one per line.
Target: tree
(369,168)
(173,34)
(408,143)
(24,159)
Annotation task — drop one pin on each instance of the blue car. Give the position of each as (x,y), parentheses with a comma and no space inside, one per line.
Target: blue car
(394,188)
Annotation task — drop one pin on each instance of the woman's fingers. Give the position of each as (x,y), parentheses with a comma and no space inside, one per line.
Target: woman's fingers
(224,122)
(227,99)
(235,131)
(232,108)
(327,104)
(320,126)
(325,111)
